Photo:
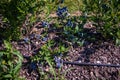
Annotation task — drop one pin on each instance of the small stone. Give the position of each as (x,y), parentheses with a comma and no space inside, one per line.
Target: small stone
(79,61)
(34,30)
(91,73)
(37,42)
(88,25)
(47,69)
(65,66)
(98,62)
(109,63)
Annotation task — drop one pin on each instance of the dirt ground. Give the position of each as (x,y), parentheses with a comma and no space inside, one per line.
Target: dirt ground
(103,52)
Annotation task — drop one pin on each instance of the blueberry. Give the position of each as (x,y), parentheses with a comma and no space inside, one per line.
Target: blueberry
(45,39)
(32,36)
(58,61)
(38,36)
(105,7)
(64,9)
(33,65)
(58,64)
(69,23)
(62,12)
(59,14)
(26,40)
(45,24)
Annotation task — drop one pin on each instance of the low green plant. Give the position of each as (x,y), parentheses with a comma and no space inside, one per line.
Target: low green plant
(106,15)
(10,63)
(46,56)
(21,13)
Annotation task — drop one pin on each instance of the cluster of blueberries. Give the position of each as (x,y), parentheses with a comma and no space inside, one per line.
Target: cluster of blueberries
(62,12)
(58,61)
(45,24)
(70,23)
(27,40)
(37,36)
(32,66)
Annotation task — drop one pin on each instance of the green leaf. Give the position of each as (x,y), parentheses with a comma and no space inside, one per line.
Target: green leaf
(1,54)
(76,28)
(20,10)
(51,68)
(118,34)
(7,76)
(62,48)
(17,53)
(117,42)
(17,68)
(7,44)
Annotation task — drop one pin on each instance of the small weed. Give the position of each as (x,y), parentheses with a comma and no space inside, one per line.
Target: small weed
(45,57)
(10,63)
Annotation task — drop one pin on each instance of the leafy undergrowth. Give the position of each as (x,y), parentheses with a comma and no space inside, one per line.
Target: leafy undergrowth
(90,35)
(41,46)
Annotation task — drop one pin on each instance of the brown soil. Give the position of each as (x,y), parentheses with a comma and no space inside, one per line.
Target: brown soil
(91,52)
(104,52)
